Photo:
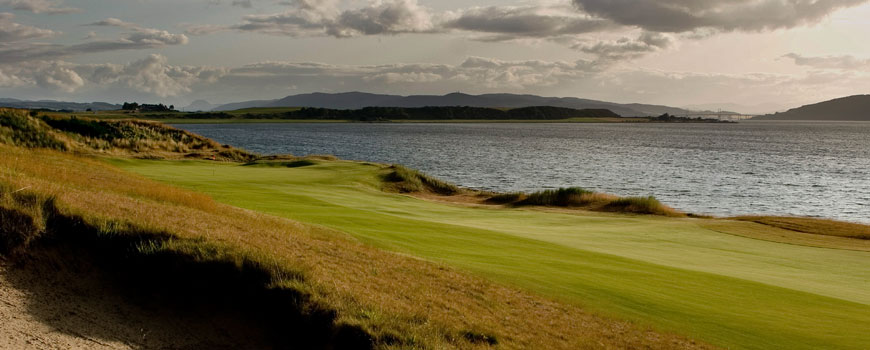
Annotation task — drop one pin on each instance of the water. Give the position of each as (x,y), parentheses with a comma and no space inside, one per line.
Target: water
(796,168)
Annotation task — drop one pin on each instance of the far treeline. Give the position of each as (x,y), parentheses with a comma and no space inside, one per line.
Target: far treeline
(400,113)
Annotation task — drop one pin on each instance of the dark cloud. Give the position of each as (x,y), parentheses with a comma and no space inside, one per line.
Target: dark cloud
(725,15)
(312,18)
(530,21)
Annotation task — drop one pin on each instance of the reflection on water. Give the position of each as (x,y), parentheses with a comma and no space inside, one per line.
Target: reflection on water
(803,168)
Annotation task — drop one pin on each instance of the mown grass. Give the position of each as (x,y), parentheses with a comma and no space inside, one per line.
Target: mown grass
(813,226)
(397,302)
(668,272)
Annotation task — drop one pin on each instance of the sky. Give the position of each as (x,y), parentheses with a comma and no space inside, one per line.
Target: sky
(752,55)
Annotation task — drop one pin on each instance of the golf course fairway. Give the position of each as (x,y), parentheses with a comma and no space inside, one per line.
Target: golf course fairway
(669,273)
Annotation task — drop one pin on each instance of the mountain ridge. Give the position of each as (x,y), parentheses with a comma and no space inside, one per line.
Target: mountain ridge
(357,100)
(58,105)
(849,108)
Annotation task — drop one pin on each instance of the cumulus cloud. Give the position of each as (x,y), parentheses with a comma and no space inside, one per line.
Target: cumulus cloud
(846,62)
(725,15)
(511,22)
(39,6)
(11,31)
(628,48)
(152,75)
(314,18)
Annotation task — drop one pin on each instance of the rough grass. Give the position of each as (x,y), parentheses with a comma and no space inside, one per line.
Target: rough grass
(404,180)
(563,197)
(394,301)
(576,197)
(640,205)
(17,127)
(813,226)
(400,179)
(134,138)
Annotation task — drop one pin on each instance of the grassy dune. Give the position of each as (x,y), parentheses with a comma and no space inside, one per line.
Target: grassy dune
(673,273)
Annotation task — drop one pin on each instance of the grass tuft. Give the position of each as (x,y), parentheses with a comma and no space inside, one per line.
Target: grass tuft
(405,180)
(640,205)
(563,197)
(577,197)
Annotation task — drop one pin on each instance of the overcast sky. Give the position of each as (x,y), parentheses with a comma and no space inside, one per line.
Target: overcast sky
(763,54)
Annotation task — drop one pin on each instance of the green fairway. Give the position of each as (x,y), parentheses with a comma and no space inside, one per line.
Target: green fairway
(667,272)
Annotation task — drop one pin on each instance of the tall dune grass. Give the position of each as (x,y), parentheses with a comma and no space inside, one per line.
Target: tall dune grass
(405,180)
(116,137)
(576,197)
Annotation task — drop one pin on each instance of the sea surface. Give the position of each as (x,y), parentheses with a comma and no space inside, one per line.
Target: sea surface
(819,169)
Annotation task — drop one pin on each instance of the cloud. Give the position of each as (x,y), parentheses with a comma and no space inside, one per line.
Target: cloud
(152,75)
(321,18)
(846,62)
(725,15)
(243,3)
(11,31)
(508,22)
(114,22)
(39,6)
(627,48)
(139,38)
(473,74)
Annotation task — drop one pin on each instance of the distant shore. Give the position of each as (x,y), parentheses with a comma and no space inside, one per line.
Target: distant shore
(542,114)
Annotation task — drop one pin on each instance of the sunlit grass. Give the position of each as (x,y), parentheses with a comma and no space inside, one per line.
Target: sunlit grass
(663,271)
(399,301)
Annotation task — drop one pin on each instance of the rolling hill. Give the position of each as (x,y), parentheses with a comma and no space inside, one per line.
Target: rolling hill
(57,105)
(854,108)
(357,100)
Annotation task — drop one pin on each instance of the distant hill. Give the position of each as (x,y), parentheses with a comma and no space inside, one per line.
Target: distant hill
(199,106)
(358,100)
(58,105)
(847,108)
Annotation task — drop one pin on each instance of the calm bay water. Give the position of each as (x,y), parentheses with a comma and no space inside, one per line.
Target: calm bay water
(803,168)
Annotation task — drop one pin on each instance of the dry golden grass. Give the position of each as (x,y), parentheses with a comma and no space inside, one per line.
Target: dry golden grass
(574,198)
(401,301)
(118,138)
(813,226)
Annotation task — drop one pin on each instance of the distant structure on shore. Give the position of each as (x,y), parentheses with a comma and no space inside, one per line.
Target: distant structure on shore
(723,116)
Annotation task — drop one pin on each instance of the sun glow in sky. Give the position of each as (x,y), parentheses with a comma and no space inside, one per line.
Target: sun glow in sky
(761,55)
